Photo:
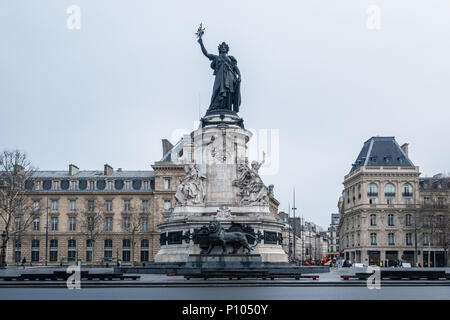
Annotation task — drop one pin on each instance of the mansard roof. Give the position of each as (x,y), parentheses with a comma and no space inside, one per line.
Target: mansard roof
(382,151)
(438,182)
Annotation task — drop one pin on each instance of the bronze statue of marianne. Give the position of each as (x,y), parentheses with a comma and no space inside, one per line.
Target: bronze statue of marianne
(226,91)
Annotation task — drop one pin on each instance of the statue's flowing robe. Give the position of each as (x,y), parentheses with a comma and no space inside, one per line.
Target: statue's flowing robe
(226,91)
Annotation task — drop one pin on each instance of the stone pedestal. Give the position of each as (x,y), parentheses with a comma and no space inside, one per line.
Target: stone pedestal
(225,262)
(220,149)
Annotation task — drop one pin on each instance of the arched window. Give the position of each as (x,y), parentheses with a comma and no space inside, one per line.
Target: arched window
(373,190)
(407,190)
(389,190)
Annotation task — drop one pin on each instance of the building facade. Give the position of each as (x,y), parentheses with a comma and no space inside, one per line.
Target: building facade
(333,233)
(434,220)
(378,205)
(303,240)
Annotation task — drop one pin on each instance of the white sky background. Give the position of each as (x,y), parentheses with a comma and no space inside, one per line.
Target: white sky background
(133,73)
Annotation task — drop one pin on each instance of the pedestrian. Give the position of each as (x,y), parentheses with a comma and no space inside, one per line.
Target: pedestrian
(24,260)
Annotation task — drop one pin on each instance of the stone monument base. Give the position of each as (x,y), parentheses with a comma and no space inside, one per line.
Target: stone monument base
(224,261)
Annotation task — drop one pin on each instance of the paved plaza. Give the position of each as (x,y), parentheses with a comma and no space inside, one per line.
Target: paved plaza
(163,287)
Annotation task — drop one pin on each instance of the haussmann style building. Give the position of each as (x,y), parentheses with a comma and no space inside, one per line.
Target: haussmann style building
(388,214)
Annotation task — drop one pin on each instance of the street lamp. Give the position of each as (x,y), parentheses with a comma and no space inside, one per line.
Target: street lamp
(416,255)
(3,249)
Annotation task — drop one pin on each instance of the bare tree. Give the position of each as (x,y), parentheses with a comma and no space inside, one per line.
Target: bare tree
(92,224)
(17,210)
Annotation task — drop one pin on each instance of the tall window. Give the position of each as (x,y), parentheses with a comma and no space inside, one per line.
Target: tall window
(91,185)
(55,205)
(54,223)
(373,190)
(72,224)
(108,223)
(55,185)
(108,248)
(73,205)
(36,224)
(144,250)
(390,220)
(144,224)
(408,220)
(127,185)
(373,219)
(17,223)
(389,190)
(91,205)
(17,251)
(126,223)
(71,250)
(53,250)
(126,205)
(126,250)
(391,239)
(167,183)
(145,185)
(74,185)
(408,239)
(145,205)
(426,239)
(90,223)
(89,249)
(110,185)
(108,205)
(373,239)
(34,250)
(407,190)
(38,186)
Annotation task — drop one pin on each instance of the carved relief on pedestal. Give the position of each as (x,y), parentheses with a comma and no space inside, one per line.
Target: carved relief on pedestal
(223,213)
(191,190)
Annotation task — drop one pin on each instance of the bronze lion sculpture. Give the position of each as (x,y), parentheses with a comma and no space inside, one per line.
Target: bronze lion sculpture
(218,236)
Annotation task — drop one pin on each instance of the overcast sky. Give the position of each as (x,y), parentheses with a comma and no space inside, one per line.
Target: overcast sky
(134,73)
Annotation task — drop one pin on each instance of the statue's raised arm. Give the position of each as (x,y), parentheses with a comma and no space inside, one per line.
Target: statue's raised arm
(208,55)
(199,34)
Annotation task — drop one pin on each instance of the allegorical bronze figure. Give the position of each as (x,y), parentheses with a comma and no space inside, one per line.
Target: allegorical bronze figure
(226,91)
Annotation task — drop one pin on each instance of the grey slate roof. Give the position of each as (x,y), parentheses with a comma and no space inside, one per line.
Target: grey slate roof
(434,183)
(382,151)
(94,174)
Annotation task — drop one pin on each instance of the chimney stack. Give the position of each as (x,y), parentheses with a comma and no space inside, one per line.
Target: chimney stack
(405,148)
(73,169)
(166,146)
(108,170)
